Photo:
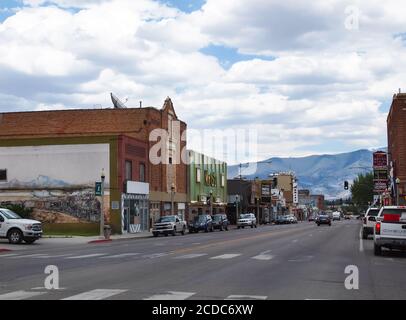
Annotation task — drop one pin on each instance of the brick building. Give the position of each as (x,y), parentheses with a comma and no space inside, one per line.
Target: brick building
(50,160)
(396,126)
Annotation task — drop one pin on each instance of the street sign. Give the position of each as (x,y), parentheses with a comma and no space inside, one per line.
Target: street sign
(380,160)
(98,189)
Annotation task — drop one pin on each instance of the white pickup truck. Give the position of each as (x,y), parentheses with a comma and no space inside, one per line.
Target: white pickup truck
(17,229)
(390,229)
(169,225)
(368,222)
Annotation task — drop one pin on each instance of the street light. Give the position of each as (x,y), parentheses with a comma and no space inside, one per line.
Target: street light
(172,196)
(103,177)
(237,199)
(397,181)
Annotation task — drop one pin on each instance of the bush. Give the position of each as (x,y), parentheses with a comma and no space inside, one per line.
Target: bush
(20,210)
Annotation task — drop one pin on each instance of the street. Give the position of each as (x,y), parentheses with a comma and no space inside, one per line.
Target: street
(299,261)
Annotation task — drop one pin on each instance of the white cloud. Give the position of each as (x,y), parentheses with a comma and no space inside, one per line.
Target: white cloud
(322,92)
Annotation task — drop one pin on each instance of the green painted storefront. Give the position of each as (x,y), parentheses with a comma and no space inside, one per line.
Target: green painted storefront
(206,176)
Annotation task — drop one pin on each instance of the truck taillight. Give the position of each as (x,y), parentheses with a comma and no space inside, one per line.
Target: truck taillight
(378,228)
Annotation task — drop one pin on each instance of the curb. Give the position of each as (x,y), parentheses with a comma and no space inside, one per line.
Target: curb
(100,241)
(4,250)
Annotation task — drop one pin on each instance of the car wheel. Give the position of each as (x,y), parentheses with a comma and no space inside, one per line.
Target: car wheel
(183,231)
(243,227)
(174,231)
(318,224)
(221,228)
(238,227)
(256,226)
(377,250)
(166,234)
(252,226)
(329,224)
(29,240)
(364,235)
(155,234)
(226,228)
(15,236)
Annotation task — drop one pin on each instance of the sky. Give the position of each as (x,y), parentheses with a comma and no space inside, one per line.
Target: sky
(311,77)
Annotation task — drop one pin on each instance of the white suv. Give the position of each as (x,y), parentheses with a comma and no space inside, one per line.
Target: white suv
(368,222)
(247,219)
(17,229)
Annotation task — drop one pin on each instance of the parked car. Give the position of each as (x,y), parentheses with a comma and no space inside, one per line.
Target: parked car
(291,218)
(220,221)
(169,225)
(203,222)
(247,220)
(311,218)
(368,222)
(323,218)
(390,229)
(16,229)
(336,216)
(281,220)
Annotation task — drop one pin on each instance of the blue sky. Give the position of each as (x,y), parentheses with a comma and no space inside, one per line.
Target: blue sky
(185,5)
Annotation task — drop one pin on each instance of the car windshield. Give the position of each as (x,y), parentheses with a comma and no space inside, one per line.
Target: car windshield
(245,216)
(167,219)
(216,218)
(10,214)
(200,218)
(399,212)
(373,212)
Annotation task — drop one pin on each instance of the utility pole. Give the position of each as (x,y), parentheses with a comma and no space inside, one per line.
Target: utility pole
(172,200)
(103,177)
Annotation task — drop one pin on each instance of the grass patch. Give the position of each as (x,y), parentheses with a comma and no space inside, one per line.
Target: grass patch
(71,229)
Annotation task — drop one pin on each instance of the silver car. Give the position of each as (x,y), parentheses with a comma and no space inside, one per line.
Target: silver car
(247,220)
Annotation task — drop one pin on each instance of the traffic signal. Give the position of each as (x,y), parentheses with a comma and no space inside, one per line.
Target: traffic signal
(346,186)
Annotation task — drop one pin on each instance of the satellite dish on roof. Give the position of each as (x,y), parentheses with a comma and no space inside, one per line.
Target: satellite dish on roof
(116,102)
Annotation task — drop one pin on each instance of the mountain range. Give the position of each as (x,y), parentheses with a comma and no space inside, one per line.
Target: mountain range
(321,174)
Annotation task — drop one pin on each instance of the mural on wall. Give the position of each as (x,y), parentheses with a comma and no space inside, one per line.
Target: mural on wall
(58,183)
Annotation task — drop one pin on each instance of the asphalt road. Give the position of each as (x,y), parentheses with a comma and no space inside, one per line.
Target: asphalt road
(300,261)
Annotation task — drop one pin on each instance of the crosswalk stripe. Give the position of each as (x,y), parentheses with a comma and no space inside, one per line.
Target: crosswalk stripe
(87,256)
(263,257)
(226,256)
(53,256)
(122,255)
(191,256)
(20,295)
(171,295)
(97,294)
(245,297)
(155,255)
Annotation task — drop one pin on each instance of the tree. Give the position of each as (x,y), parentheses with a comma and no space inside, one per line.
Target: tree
(362,190)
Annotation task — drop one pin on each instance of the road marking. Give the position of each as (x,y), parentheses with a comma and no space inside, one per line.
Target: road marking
(155,255)
(87,256)
(171,295)
(122,255)
(226,256)
(8,255)
(29,256)
(294,240)
(361,241)
(20,295)
(191,256)
(301,259)
(263,257)
(311,235)
(97,294)
(244,297)
(55,256)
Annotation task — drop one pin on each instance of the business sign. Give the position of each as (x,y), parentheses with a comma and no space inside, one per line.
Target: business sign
(98,189)
(380,186)
(265,190)
(380,159)
(135,187)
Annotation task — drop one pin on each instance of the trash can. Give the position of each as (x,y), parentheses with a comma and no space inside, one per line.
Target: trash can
(107,232)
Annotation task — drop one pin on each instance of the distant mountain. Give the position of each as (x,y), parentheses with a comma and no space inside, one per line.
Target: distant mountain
(322,174)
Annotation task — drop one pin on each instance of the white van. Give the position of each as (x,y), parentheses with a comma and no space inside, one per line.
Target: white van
(336,216)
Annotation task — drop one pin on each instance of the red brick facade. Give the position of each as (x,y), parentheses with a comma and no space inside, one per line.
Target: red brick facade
(397,139)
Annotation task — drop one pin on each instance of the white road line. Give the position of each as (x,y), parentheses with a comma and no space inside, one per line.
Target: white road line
(97,294)
(171,295)
(122,255)
(245,297)
(55,256)
(29,256)
(263,257)
(8,255)
(301,259)
(226,256)
(155,255)
(294,240)
(20,295)
(191,256)
(87,256)
(361,241)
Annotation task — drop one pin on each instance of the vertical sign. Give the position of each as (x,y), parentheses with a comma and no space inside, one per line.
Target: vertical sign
(380,164)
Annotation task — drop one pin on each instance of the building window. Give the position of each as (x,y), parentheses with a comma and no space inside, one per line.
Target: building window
(142,172)
(3,175)
(170,160)
(222,180)
(128,170)
(198,175)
